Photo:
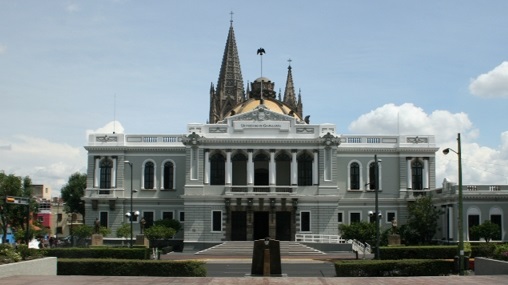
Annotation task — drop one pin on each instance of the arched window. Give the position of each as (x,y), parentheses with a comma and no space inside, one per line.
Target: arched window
(372,176)
(417,175)
(239,169)
(106,169)
(354,176)
(283,169)
(168,175)
(304,169)
(217,169)
(149,175)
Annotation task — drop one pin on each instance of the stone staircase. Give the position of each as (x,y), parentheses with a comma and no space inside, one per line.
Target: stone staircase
(245,248)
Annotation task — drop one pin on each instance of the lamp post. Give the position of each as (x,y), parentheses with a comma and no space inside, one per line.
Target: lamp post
(376,189)
(461,218)
(131,213)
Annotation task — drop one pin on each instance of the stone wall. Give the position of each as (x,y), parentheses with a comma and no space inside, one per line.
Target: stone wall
(41,266)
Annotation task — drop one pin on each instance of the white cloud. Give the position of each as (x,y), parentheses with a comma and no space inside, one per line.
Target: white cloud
(110,128)
(481,165)
(491,84)
(45,162)
(3,49)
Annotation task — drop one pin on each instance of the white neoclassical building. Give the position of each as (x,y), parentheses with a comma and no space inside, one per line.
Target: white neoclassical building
(257,168)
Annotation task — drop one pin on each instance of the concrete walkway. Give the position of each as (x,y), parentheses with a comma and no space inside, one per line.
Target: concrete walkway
(126,280)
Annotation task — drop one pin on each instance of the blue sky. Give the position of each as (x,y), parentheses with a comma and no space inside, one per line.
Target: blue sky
(379,67)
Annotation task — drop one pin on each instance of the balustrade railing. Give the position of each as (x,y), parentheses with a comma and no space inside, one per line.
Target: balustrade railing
(260,189)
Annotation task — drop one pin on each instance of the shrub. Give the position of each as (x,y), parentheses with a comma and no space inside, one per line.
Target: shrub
(100,252)
(483,250)
(418,252)
(117,267)
(380,268)
(501,252)
(159,232)
(8,254)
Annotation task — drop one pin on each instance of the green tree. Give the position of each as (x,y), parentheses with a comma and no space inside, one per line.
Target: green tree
(82,232)
(363,232)
(170,223)
(73,192)
(488,231)
(422,221)
(159,232)
(11,214)
(124,231)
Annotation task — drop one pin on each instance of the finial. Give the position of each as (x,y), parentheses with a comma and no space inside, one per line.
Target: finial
(290,60)
(231,21)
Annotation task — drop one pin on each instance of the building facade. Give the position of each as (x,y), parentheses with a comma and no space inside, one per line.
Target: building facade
(257,168)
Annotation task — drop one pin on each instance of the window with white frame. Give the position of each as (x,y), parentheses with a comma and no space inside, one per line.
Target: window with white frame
(390,216)
(340,217)
(355,217)
(167,215)
(305,221)
(181,216)
(216,221)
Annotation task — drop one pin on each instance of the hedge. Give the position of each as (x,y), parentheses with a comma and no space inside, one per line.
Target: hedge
(418,252)
(382,268)
(129,267)
(100,252)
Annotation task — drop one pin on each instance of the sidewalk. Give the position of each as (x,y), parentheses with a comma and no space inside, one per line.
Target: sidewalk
(127,280)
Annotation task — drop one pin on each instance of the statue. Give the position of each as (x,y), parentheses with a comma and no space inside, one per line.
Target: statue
(394,226)
(97,226)
(142,223)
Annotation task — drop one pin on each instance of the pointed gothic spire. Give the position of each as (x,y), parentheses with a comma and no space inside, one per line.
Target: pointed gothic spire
(230,89)
(289,92)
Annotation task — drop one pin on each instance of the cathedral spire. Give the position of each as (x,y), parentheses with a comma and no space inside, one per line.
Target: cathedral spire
(289,92)
(229,91)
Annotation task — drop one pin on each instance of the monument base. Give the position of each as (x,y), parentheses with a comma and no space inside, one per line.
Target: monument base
(142,240)
(393,240)
(97,240)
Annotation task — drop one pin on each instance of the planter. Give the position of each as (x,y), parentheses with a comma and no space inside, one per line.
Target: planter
(40,266)
(487,266)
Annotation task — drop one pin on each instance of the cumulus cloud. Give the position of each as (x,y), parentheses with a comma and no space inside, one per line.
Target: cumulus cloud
(481,165)
(45,162)
(110,128)
(491,84)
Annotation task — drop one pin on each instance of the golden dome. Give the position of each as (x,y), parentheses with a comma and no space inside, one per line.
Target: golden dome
(273,105)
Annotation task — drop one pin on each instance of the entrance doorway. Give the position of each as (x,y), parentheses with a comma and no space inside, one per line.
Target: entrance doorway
(261,225)
(238,226)
(283,226)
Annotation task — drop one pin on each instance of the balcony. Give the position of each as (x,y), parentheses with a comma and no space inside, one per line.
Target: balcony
(105,193)
(258,189)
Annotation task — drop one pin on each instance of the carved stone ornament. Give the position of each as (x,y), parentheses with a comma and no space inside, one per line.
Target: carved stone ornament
(262,113)
(417,140)
(106,138)
(330,140)
(192,139)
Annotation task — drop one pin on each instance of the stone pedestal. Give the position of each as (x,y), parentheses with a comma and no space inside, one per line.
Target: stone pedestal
(393,240)
(142,240)
(97,239)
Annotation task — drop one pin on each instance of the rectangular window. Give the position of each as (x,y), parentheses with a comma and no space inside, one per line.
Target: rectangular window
(149,218)
(182,216)
(305,221)
(59,230)
(472,220)
(390,216)
(355,217)
(103,217)
(496,219)
(167,215)
(59,217)
(340,217)
(216,221)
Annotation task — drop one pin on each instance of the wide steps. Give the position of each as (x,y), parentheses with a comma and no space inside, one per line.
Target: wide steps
(245,248)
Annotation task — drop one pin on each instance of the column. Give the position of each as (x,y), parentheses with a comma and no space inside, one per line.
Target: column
(96,182)
(315,177)
(250,168)
(271,167)
(409,173)
(294,168)
(228,167)
(206,179)
(426,173)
